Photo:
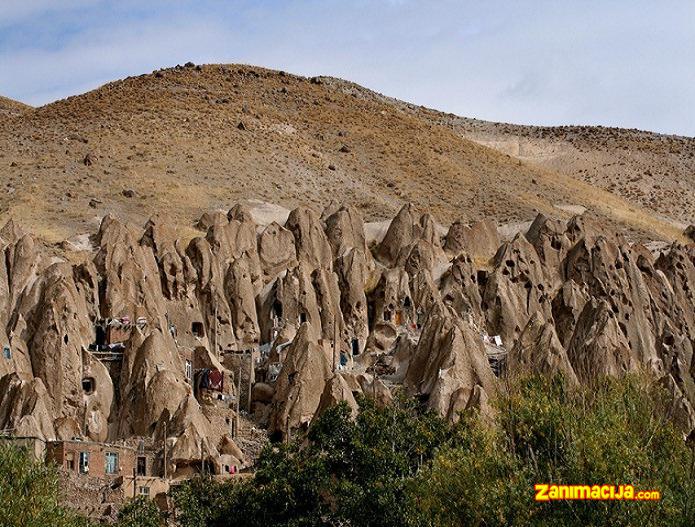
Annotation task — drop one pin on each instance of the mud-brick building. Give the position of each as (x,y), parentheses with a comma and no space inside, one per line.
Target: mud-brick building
(96,459)
(150,486)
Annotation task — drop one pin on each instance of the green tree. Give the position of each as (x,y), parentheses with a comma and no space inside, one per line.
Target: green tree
(200,501)
(345,473)
(29,493)
(140,512)
(402,466)
(614,432)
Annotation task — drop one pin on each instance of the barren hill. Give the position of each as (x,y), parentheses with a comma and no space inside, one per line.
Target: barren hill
(9,107)
(654,171)
(188,139)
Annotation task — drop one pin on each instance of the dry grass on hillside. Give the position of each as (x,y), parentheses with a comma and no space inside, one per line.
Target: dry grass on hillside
(9,107)
(652,171)
(190,139)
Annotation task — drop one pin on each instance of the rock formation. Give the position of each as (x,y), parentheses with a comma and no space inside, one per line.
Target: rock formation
(145,336)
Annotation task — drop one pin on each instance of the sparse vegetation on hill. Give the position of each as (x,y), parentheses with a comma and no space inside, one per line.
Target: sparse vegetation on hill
(195,138)
(651,170)
(9,108)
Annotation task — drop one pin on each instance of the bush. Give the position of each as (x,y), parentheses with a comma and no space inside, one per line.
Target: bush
(613,433)
(140,512)
(400,466)
(203,502)
(29,493)
(348,473)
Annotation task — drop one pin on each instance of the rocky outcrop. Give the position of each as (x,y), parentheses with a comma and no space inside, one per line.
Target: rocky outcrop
(401,233)
(300,385)
(26,408)
(598,346)
(479,240)
(538,350)
(116,341)
(337,391)
(311,242)
(449,365)
(518,287)
(276,250)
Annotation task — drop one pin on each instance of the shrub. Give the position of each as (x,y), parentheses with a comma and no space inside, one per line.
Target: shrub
(401,466)
(29,493)
(615,432)
(140,512)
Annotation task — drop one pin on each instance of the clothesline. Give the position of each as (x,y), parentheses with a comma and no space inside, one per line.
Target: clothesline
(123,323)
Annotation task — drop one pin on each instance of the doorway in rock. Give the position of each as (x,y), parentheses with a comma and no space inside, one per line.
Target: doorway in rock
(198,329)
(100,337)
(88,385)
(355,346)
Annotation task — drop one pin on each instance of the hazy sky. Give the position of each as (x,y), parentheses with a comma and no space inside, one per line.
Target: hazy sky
(627,63)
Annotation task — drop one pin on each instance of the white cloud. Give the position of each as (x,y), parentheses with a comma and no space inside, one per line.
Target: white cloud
(618,63)
(13,11)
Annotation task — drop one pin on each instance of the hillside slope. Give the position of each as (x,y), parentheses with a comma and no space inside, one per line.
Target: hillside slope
(188,139)
(651,170)
(9,107)
(654,171)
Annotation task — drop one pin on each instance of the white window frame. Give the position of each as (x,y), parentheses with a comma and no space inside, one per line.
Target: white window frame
(189,370)
(114,457)
(84,462)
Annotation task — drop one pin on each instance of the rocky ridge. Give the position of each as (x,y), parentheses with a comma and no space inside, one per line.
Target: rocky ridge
(651,170)
(310,308)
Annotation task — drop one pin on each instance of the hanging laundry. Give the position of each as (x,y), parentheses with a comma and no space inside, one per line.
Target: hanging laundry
(116,346)
(211,379)
(215,380)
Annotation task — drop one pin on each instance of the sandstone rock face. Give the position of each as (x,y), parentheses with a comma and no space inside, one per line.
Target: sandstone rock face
(311,241)
(518,287)
(401,233)
(449,364)
(480,240)
(336,391)
(300,385)
(26,407)
(276,250)
(539,350)
(121,340)
(345,232)
(461,289)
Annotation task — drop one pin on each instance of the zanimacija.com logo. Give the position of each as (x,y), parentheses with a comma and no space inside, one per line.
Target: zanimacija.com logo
(551,492)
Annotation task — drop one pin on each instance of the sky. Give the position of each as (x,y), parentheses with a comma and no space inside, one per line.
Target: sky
(627,63)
